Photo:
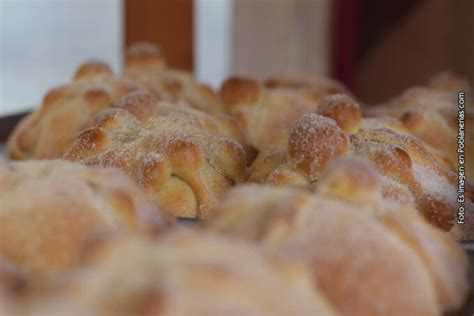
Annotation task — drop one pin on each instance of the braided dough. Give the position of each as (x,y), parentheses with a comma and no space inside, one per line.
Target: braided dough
(431,114)
(368,256)
(411,173)
(264,111)
(185,273)
(50,208)
(65,111)
(145,64)
(184,157)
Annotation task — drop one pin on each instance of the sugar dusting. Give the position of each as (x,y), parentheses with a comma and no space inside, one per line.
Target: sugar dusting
(315,137)
(396,192)
(435,185)
(152,157)
(135,147)
(329,102)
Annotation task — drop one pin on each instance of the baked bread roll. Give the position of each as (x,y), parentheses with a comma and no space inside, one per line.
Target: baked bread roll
(411,176)
(368,256)
(265,110)
(65,111)
(50,208)
(431,114)
(145,64)
(183,157)
(185,273)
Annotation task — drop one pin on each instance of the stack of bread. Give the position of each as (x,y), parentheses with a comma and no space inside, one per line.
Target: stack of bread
(309,202)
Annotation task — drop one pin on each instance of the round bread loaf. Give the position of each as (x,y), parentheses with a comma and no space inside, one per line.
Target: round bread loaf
(184,157)
(368,256)
(266,110)
(49,209)
(184,273)
(51,129)
(431,113)
(410,174)
(145,65)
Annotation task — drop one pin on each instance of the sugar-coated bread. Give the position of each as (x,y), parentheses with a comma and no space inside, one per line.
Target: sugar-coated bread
(347,209)
(145,65)
(50,208)
(65,111)
(431,113)
(313,141)
(410,174)
(184,157)
(404,159)
(184,273)
(144,56)
(344,110)
(267,110)
(354,181)
(367,258)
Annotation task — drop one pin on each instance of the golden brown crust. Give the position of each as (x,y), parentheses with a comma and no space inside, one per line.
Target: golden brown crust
(51,129)
(306,149)
(430,243)
(342,109)
(430,113)
(351,247)
(140,103)
(66,204)
(179,86)
(410,173)
(65,111)
(351,179)
(183,156)
(265,112)
(186,273)
(313,141)
(443,257)
(403,158)
(397,126)
(240,92)
(92,68)
(145,55)
(143,106)
(145,65)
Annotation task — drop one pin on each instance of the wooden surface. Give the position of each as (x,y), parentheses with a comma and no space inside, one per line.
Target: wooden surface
(168,23)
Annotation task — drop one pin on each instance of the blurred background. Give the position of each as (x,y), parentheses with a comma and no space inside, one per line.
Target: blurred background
(377,48)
